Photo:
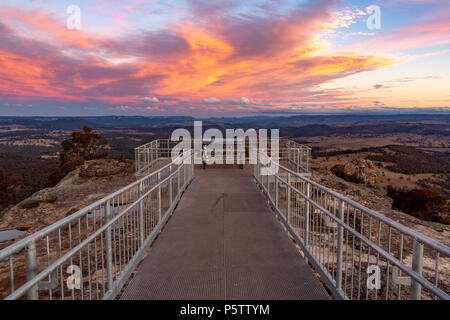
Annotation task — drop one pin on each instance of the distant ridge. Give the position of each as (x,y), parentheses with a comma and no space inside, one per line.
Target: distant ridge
(71,123)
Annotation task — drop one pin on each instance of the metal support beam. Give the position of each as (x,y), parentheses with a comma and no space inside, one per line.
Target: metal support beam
(141,217)
(31,269)
(340,244)
(288,200)
(417,264)
(159,199)
(108,246)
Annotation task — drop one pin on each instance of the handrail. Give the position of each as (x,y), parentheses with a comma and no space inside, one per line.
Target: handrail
(24,288)
(441,294)
(118,239)
(303,213)
(416,235)
(147,154)
(306,221)
(53,227)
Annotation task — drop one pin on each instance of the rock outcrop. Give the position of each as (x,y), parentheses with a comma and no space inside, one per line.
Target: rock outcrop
(375,198)
(92,181)
(358,170)
(105,167)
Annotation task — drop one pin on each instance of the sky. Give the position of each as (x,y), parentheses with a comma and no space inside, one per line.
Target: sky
(222,57)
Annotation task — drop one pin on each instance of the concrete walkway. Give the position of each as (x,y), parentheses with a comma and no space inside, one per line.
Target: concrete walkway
(223,242)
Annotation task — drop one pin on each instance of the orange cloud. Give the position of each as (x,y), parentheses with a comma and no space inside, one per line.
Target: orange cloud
(274,58)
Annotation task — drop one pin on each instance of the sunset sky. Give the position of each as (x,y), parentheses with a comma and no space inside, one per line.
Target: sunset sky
(217,58)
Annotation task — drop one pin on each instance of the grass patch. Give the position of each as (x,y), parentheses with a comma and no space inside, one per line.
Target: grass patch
(71,211)
(30,204)
(51,200)
(424,204)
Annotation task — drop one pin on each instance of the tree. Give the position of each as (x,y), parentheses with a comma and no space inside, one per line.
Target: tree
(81,146)
(424,204)
(8,187)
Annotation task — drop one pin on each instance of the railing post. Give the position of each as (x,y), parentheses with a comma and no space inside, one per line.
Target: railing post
(289,153)
(307,206)
(257,171)
(340,244)
(288,196)
(136,158)
(147,158)
(267,180)
(178,177)
(159,199)
(31,269)
(276,191)
(141,216)
(192,163)
(184,174)
(108,246)
(417,264)
(170,184)
(299,159)
(308,153)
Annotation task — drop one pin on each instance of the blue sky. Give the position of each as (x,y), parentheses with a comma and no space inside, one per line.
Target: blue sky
(222,57)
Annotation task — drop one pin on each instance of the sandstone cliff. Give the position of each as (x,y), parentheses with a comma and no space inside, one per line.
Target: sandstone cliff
(90,182)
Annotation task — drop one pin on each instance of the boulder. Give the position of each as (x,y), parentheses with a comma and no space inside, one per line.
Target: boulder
(105,167)
(45,195)
(358,170)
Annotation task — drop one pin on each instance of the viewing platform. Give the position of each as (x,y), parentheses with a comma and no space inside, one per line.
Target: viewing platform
(264,230)
(224,242)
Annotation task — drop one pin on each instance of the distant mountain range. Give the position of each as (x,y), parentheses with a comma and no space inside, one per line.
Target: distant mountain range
(72,123)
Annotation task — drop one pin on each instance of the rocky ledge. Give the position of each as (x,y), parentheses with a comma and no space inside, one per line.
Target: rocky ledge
(92,181)
(358,170)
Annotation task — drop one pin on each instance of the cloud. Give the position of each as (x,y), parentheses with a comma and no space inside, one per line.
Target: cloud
(122,108)
(378,103)
(231,100)
(222,50)
(211,100)
(244,100)
(430,30)
(145,99)
(160,44)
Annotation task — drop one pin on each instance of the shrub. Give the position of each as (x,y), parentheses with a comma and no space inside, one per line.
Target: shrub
(8,187)
(29,204)
(71,211)
(80,147)
(338,171)
(424,204)
(51,200)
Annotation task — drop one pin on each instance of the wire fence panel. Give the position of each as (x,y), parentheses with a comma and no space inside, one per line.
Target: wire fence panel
(291,154)
(91,253)
(359,253)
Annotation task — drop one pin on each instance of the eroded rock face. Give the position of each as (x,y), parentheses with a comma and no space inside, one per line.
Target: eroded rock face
(88,183)
(105,167)
(358,170)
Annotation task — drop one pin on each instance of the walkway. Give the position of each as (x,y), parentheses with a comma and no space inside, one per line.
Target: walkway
(223,242)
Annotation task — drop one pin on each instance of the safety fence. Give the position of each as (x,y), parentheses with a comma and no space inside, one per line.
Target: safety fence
(358,253)
(291,154)
(91,253)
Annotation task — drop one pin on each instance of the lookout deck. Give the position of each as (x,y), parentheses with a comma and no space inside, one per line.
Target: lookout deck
(223,242)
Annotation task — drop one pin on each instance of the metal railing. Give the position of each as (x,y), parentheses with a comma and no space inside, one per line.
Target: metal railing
(91,253)
(358,253)
(291,154)
(150,153)
(295,156)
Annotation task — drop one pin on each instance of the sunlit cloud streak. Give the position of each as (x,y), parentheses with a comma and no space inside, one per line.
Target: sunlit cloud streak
(221,56)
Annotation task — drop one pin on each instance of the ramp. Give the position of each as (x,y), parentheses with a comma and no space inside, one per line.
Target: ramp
(223,242)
